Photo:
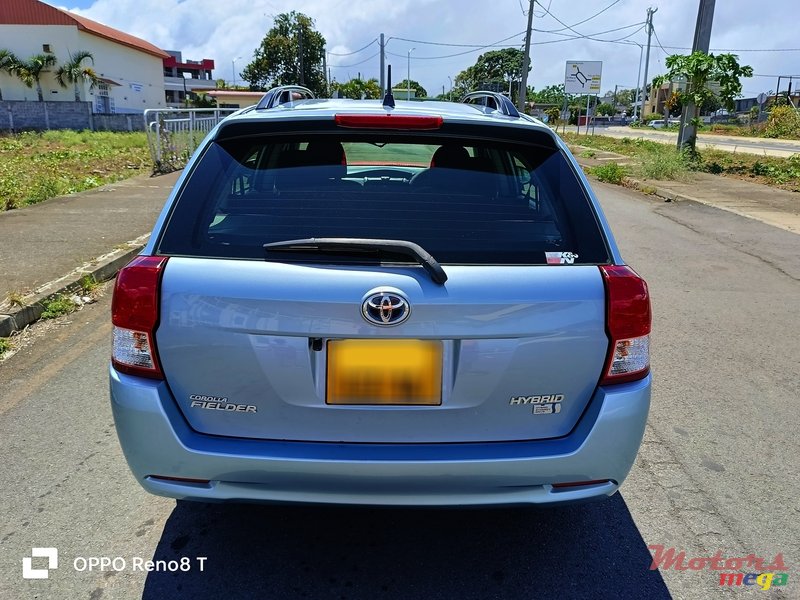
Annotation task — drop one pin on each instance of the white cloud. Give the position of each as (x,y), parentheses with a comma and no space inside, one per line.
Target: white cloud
(224,30)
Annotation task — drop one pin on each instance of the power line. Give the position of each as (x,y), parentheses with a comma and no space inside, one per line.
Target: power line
(589,37)
(481,46)
(458,53)
(581,37)
(547,10)
(355,51)
(455,45)
(658,41)
(361,62)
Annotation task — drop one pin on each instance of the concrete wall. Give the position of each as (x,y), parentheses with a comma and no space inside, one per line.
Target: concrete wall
(27,115)
(139,75)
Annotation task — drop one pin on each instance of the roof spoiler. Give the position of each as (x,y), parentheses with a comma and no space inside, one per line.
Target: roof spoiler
(502,103)
(284,94)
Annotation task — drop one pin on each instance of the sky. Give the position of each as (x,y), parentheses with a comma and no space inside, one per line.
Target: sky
(764,34)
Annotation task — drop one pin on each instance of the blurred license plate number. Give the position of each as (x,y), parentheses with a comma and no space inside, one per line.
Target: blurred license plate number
(400,372)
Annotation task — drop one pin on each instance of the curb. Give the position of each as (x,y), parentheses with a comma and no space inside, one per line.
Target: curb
(102,268)
(640,186)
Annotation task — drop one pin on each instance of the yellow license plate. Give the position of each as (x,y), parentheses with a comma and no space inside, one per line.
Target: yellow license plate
(404,372)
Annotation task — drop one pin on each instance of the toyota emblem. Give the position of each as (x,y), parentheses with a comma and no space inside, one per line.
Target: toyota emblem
(385,308)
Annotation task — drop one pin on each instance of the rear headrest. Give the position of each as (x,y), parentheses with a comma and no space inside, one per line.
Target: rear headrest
(451,157)
(291,158)
(325,153)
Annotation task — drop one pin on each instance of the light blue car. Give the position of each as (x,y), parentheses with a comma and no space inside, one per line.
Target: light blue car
(383,303)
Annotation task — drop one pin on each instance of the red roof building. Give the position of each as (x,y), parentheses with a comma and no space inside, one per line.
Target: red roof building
(130,70)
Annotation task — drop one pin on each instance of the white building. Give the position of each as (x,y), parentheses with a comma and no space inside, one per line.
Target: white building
(130,70)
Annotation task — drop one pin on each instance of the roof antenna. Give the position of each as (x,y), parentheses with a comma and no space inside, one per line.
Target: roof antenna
(388,99)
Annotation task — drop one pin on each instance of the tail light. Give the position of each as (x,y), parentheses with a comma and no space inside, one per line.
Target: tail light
(134,314)
(389,121)
(628,324)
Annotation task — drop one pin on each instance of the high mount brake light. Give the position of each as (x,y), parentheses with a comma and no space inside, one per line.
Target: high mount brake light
(134,314)
(389,121)
(628,322)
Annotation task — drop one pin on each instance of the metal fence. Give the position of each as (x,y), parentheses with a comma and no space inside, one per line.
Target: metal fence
(173,134)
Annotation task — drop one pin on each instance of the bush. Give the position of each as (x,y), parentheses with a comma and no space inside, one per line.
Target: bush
(609,173)
(783,122)
(664,162)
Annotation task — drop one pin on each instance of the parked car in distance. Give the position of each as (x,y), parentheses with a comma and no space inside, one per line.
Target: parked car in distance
(661,123)
(382,303)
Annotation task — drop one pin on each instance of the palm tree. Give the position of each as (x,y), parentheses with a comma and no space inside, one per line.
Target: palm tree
(30,71)
(8,63)
(75,73)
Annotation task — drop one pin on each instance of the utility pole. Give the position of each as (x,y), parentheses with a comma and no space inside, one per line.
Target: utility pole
(650,12)
(638,81)
(325,66)
(383,67)
(526,62)
(300,50)
(687,135)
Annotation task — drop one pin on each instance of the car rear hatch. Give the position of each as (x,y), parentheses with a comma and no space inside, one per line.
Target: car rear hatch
(340,345)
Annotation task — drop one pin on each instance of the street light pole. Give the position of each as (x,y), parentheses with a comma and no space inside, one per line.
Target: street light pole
(408,75)
(450,95)
(233,70)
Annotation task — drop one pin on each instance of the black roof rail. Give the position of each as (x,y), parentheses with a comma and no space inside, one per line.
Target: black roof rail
(502,103)
(282,94)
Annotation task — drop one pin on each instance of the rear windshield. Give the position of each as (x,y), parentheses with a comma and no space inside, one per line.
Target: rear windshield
(465,201)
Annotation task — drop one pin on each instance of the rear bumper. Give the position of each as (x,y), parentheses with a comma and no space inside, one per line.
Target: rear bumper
(157,441)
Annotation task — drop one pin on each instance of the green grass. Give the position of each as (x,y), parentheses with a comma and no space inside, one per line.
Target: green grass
(88,284)
(57,307)
(37,166)
(664,162)
(5,345)
(609,173)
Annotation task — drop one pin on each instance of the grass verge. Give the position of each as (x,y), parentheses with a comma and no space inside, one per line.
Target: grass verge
(37,166)
(609,173)
(664,162)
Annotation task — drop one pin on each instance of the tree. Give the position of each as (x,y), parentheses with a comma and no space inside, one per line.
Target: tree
(698,69)
(358,88)
(605,109)
(8,63)
(291,53)
(74,72)
(30,71)
(551,94)
(419,91)
(203,101)
(500,68)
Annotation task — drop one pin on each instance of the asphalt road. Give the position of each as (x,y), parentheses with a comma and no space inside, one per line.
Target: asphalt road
(718,470)
(759,146)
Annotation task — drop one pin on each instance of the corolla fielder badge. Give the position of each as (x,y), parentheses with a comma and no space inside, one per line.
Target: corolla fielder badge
(385,308)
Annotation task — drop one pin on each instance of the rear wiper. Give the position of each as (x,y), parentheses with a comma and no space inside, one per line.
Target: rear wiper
(364,245)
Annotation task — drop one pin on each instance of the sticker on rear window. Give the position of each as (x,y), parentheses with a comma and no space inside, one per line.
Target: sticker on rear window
(560,258)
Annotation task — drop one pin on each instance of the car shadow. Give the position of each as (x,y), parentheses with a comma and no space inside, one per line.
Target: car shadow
(253,551)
